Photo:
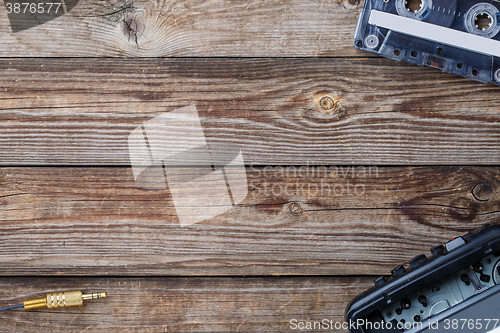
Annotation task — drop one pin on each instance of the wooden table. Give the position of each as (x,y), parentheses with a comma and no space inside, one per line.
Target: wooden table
(282,81)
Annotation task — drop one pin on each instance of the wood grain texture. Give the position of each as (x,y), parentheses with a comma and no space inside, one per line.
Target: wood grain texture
(182,28)
(322,231)
(96,221)
(81,111)
(181,304)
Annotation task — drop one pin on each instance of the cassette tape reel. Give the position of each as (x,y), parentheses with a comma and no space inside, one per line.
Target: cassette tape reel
(459,37)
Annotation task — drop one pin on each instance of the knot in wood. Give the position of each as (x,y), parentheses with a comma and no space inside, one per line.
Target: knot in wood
(482,191)
(295,208)
(327,103)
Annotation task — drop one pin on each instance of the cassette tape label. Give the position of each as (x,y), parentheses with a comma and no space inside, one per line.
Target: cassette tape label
(435,33)
(460,37)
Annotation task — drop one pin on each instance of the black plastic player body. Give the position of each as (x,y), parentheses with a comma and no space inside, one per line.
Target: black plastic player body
(457,254)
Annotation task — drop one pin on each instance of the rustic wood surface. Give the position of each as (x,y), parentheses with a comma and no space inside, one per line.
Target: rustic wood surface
(412,158)
(344,220)
(258,304)
(81,111)
(181,28)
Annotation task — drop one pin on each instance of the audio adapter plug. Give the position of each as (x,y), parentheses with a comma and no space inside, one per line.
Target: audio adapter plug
(57,300)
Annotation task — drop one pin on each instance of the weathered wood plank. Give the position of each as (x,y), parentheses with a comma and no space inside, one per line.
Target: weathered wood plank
(225,28)
(81,111)
(97,221)
(181,304)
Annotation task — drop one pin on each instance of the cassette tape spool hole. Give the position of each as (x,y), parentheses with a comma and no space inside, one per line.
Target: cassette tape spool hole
(414,6)
(431,11)
(415,9)
(482,20)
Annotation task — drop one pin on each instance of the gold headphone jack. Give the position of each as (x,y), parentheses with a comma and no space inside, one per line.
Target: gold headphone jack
(62,299)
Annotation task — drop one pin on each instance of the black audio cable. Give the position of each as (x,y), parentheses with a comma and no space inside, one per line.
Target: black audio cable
(12,307)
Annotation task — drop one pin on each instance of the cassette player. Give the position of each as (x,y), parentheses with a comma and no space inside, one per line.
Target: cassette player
(455,290)
(459,37)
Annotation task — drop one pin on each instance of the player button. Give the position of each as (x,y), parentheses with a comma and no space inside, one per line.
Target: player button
(437,250)
(398,271)
(455,243)
(418,260)
(380,281)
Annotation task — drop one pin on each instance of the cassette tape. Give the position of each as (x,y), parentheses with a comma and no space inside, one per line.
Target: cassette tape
(459,37)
